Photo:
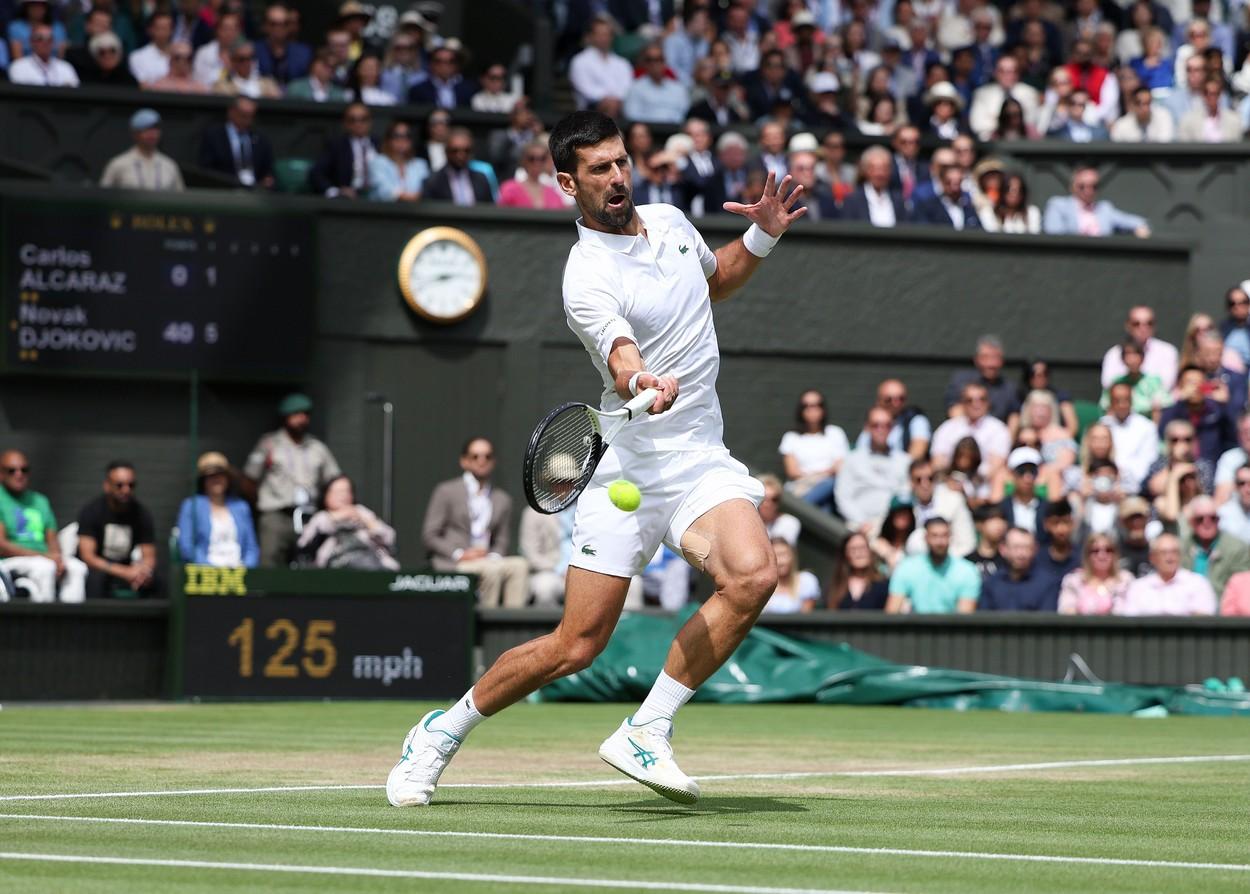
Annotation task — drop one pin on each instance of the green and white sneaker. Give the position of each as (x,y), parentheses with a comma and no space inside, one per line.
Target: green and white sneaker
(643,753)
(425,755)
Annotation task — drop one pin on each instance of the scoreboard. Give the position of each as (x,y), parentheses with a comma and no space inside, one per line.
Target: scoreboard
(98,284)
(277,633)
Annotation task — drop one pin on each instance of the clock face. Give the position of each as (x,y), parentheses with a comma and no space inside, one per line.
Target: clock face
(443,274)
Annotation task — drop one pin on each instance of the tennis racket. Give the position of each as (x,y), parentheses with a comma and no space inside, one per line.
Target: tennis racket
(566,447)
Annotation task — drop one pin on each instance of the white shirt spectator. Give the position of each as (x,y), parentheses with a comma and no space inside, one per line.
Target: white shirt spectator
(951,506)
(207,65)
(1161,359)
(1136,443)
(149,63)
(662,103)
(787,527)
(1186,593)
(33,71)
(595,76)
(1234,520)
(1226,468)
(880,207)
(744,53)
(1160,128)
(815,451)
(955,212)
(989,432)
(792,603)
(867,482)
(987,103)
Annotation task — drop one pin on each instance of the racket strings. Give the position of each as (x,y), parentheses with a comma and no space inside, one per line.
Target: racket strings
(563,459)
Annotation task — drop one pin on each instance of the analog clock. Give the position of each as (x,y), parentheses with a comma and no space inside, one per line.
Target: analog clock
(442,274)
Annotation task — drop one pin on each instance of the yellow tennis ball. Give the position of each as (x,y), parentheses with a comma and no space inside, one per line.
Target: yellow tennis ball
(624,495)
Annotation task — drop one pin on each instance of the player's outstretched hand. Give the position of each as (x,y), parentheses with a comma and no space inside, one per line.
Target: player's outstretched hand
(772,212)
(666,385)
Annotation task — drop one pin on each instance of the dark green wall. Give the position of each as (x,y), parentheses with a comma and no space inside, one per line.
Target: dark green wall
(836,307)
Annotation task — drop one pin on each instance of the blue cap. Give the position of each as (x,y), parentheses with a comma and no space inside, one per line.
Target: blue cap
(144,119)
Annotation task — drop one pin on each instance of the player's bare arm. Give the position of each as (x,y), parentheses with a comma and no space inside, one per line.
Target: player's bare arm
(772,214)
(625,362)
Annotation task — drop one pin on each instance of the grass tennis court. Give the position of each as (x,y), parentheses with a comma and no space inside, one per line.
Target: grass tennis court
(863,811)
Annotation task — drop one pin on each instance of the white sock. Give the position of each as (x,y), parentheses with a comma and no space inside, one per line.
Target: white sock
(460,718)
(665,697)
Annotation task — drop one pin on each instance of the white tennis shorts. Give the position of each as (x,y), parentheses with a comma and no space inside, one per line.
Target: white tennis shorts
(677,487)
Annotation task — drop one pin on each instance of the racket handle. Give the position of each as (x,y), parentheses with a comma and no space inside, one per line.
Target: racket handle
(641,403)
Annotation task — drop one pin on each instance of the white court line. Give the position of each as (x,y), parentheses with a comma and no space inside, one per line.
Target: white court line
(550,881)
(647,842)
(604,783)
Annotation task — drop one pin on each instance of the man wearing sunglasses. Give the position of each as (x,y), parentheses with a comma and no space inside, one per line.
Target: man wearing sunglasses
(29,547)
(1211,420)
(1208,551)
(1169,589)
(42,68)
(110,530)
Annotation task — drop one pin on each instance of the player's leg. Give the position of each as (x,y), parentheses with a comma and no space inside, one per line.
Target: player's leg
(729,543)
(592,605)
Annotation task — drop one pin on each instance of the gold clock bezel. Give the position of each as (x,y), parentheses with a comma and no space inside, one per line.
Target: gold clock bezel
(419,243)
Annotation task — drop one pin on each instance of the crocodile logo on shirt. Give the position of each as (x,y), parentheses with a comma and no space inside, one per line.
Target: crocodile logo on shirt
(588,551)
(683,249)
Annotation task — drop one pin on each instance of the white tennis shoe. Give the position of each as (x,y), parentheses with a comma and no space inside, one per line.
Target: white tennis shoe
(644,753)
(425,755)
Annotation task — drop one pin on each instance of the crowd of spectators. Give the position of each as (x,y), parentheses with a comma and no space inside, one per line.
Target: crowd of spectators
(925,80)
(1012,500)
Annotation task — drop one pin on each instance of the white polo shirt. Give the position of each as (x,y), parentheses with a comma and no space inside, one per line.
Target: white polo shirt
(149,63)
(652,290)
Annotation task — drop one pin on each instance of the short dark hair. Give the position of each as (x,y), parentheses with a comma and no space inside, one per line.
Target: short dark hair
(1132,344)
(572,132)
(933,520)
(159,14)
(986,511)
(1189,368)
(118,464)
(1058,509)
(464,448)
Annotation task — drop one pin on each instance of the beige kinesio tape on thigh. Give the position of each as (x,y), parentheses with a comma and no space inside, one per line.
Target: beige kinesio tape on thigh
(695,548)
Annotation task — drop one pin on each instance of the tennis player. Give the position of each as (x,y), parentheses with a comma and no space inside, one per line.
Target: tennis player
(638,291)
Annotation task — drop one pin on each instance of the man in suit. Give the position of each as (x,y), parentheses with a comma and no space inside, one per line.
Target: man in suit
(817,195)
(1071,125)
(235,148)
(661,183)
(873,200)
(278,56)
(952,207)
(906,171)
(700,169)
(446,87)
(456,181)
(1082,214)
(773,84)
(318,85)
(729,181)
(343,167)
(723,104)
(468,528)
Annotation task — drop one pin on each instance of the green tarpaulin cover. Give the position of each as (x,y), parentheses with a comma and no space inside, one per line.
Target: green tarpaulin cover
(770,667)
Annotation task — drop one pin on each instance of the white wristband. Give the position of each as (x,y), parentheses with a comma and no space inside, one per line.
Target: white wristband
(757,242)
(633,383)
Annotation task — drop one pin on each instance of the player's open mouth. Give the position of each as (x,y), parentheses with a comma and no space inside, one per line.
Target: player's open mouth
(617,201)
